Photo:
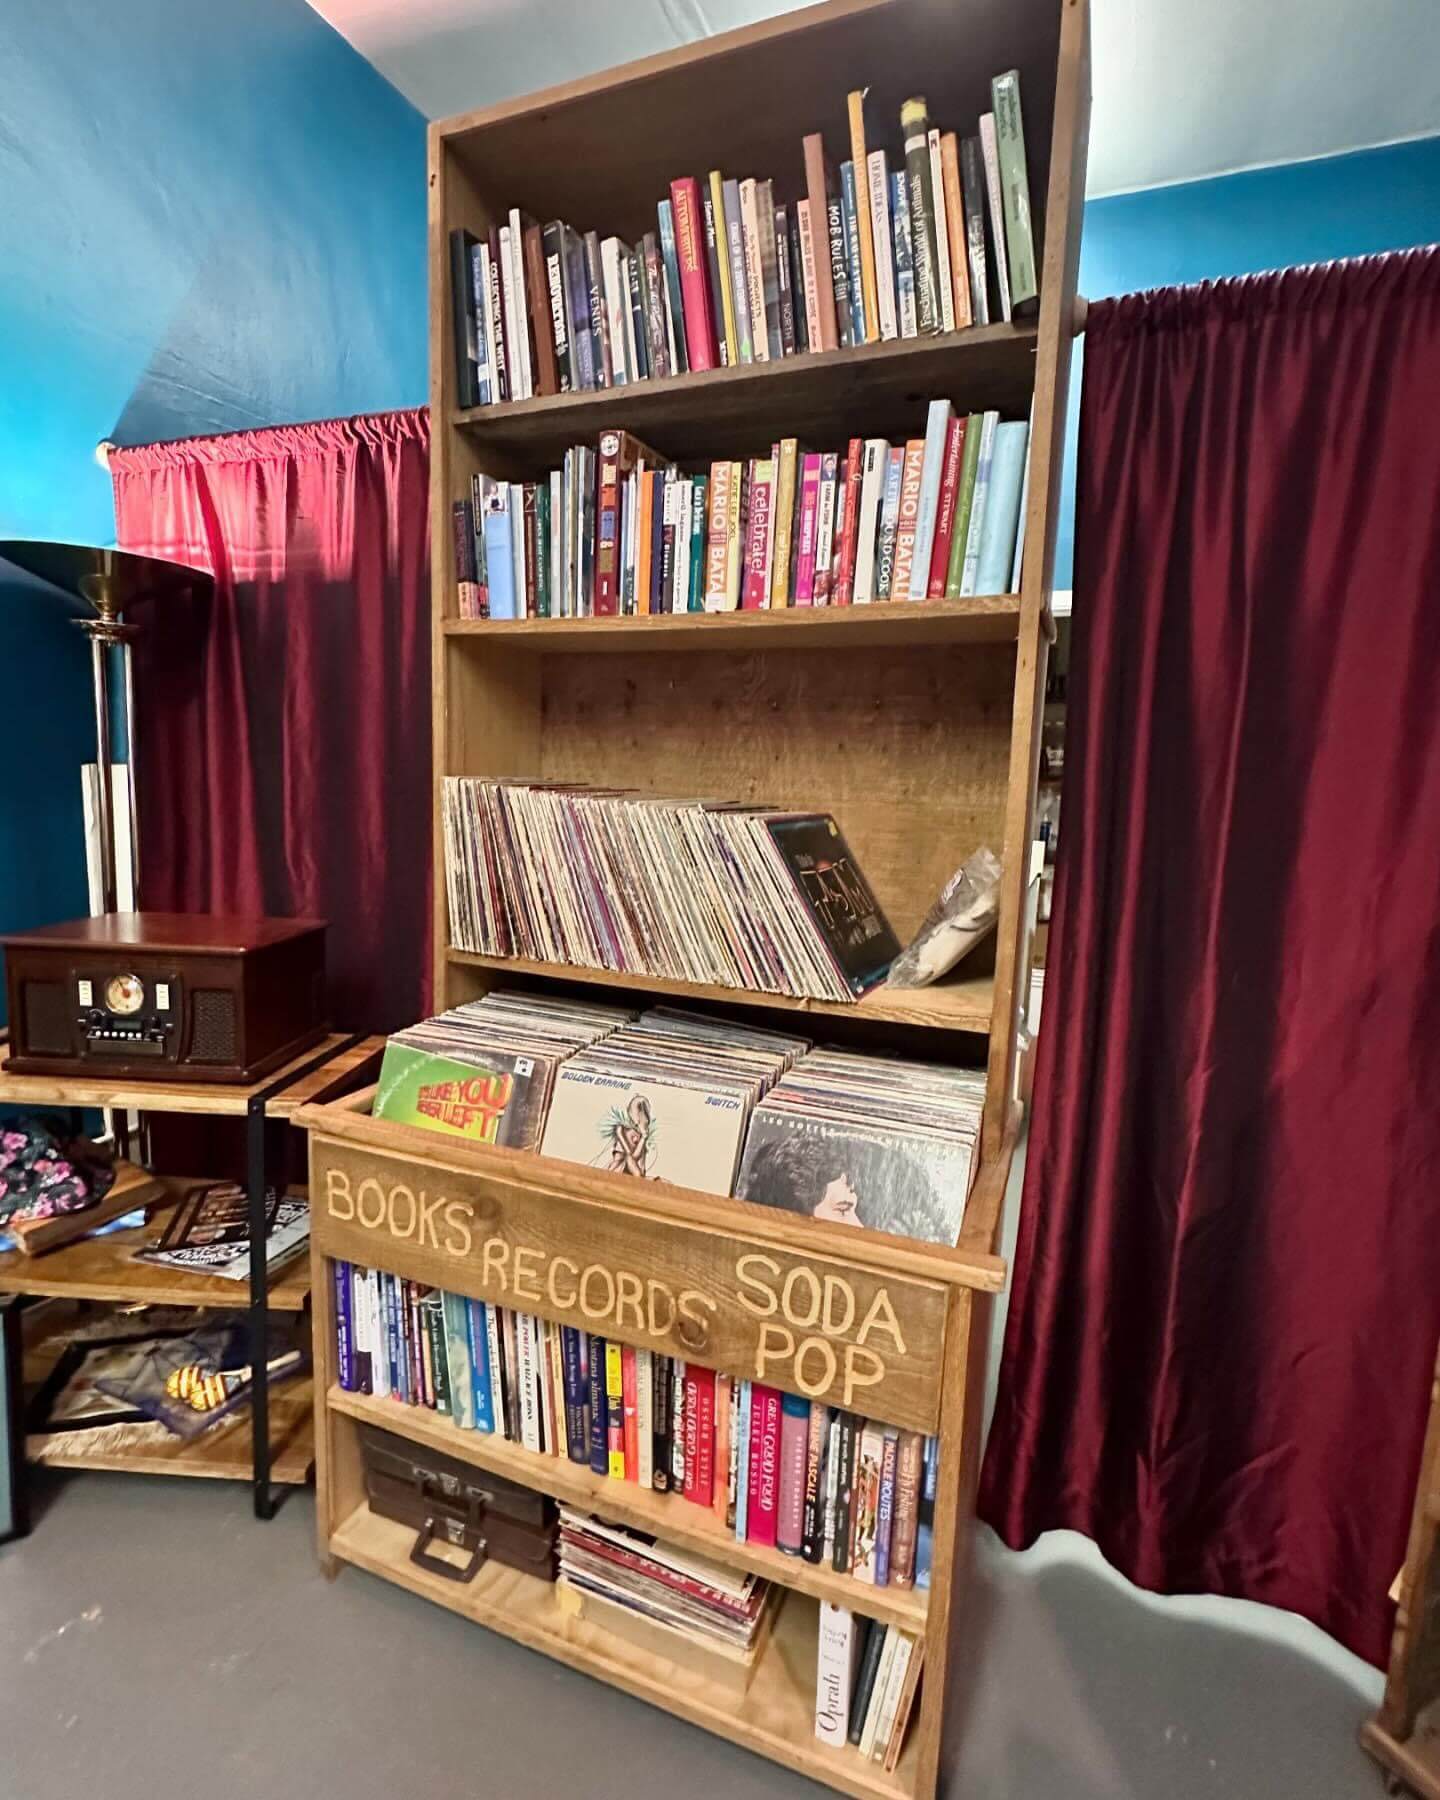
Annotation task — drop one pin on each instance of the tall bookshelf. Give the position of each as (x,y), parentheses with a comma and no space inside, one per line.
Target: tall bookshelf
(916,724)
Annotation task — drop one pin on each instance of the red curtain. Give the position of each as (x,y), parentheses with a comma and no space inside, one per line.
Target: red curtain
(1227,1284)
(283,727)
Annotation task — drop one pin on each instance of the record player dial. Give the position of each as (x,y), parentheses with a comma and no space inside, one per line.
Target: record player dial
(124,994)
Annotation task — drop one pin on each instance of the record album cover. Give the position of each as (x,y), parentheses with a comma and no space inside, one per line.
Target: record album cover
(837,897)
(499,1098)
(659,1131)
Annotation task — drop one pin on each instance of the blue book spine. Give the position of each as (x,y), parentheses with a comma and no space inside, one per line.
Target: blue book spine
(577,1435)
(399,1362)
(937,424)
(674,300)
(482,314)
(595,1379)
(459,1359)
(499,554)
(852,251)
(478,1343)
(903,253)
(344,1327)
(889,518)
(925,1530)
(1002,508)
(577,288)
(742,1464)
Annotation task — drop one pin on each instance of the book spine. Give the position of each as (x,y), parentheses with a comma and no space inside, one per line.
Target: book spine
(720,1438)
(884,1675)
(964,501)
(784,516)
(945,509)
(660,1449)
(937,426)
(915,125)
(398,1387)
(972,193)
(763,1518)
(614,1411)
(577,1434)
(658,493)
(899,1699)
(790,1506)
(844,1492)
(581,340)
(676,345)
(439,1367)
(607,534)
(375,1335)
(617,305)
(645,1419)
(677,1425)
(494,1340)
(824,529)
(910,480)
(1002,508)
(504,390)
(629,1395)
(553,245)
(544,568)
(525,341)
(742,1460)
(732,1461)
(955,229)
(592,272)
(737,515)
(848,511)
(538,312)
(1015,192)
(754,595)
(852,211)
(877,176)
(872,490)
(637,337)
(805,235)
(797,273)
(599,1406)
(529,1376)
(824,336)
(839,267)
(784,262)
(834,1673)
(717,237)
(699,518)
(990,161)
(769,268)
(480,300)
(691,239)
(532,560)
(865,1682)
(809,508)
(657,343)
(904,255)
(866,242)
(463,322)
(907,1510)
(942,234)
(344,1327)
(510,295)
(459,1359)
(974,535)
(740,289)
(812,1524)
(925,1523)
(885,1513)
(865,1502)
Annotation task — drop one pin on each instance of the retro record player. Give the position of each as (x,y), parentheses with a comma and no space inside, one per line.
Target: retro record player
(193,996)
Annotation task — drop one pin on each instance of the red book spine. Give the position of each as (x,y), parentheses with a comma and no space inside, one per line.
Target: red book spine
(699,1435)
(945,511)
(607,528)
(845,560)
(700,344)
(754,592)
(628,1392)
(764,1465)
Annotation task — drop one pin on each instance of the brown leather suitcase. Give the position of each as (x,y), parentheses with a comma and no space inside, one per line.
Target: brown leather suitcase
(449,1501)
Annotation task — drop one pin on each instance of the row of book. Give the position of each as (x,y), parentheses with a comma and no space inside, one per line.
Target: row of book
(866,1679)
(621,530)
(713,892)
(719,1108)
(728,276)
(775,1470)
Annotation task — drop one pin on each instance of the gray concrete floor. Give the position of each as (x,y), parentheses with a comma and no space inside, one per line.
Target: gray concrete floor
(155,1641)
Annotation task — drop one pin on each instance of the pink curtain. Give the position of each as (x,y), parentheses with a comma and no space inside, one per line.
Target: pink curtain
(283,739)
(1227,1285)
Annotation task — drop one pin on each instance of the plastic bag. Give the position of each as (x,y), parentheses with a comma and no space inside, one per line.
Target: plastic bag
(962,917)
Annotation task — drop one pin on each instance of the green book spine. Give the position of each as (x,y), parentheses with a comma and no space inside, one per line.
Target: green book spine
(699,513)
(542,550)
(1015,188)
(965,496)
(915,125)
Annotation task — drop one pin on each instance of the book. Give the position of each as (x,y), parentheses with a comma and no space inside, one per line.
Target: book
(915,126)
(809,288)
(630,1415)
(699,1440)
(577,1395)
(755,592)
(463,319)
(637,336)
(797,274)
(865,1502)
(579,325)
(677,347)
(904,256)
(889,1678)
(539,315)
(617,305)
(459,1362)
(825,530)
(652,296)
(619,454)
(790,1503)
(807,518)
(500,355)
(865,1677)
(1024,281)
(839,262)
(614,1411)
(889,524)
(602,348)
(691,235)
(785,284)
(990,162)
(847,523)
(964,502)
(976,525)
(836,1655)
(208,1233)
(739,274)
(599,1405)
(1002,508)
(852,209)
(972,193)
(907,522)
(872,486)
(720,1441)
(484,334)
(715,219)
(769,262)
(937,427)
(955,226)
(750,210)
(925,1525)
(511,294)
(885,1513)
(878,185)
(812,1521)
(783,516)
(661,1423)
(905,1704)
(717,536)
(942,233)
(865,230)
(762,1516)
(945,510)
(815,226)
(711,240)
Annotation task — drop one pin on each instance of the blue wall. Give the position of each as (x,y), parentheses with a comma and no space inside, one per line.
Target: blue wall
(212,216)
(1240,224)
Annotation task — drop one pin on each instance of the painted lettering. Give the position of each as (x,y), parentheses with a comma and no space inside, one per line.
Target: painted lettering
(398,1192)
(801,1278)
(552,1287)
(596,1272)
(836,1290)
(339,1201)
(863,1368)
(762,1302)
(660,1308)
(813,1386)
(495,1263)
(428,1209)
(527,1283)
(370,1187)
(881,1317)
(459,1238)
(777,1344)
(629,1290)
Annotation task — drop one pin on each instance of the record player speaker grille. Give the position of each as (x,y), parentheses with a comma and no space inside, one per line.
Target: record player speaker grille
(47,1017)
(212,1038)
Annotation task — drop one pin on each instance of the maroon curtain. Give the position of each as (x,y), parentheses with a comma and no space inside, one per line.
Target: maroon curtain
(1227,1285)
(283,735)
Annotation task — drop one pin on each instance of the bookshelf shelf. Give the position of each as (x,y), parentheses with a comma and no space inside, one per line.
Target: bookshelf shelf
(740,408)
(952,1005)
(982,619)
(774,1717)
(917,726)
(666,1515)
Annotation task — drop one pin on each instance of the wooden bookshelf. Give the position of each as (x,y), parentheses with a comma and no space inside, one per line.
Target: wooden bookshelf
(916,724)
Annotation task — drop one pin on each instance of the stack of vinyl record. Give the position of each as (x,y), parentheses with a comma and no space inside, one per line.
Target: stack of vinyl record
(678,1590)
(693,890)
(484,1071)
(667,1097)
(868,1140)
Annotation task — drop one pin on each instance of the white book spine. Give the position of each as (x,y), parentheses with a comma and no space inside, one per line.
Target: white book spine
(942,234)
(834,1673)
(645,1406)
(379,1343)
(684,507)
(617,307)
(509,303)
(937,423)
(877,171)
(970,568)
(521,315)
(528,1376)
(890,1699)
(990,152)
(804,225)
(832,1489)
(871,1728)
(872,488)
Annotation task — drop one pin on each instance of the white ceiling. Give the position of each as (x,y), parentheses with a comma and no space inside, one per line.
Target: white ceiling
(1182,88)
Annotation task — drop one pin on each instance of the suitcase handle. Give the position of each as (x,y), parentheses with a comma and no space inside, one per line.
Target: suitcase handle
(436,1565)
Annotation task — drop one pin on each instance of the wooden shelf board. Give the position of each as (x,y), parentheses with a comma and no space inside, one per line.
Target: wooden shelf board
(665,1515)
(206,1098)
(720,411)
(222,1455)
(105,1269)
(1414,1760)
(948,1006)
(983,619)
(775,1717)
